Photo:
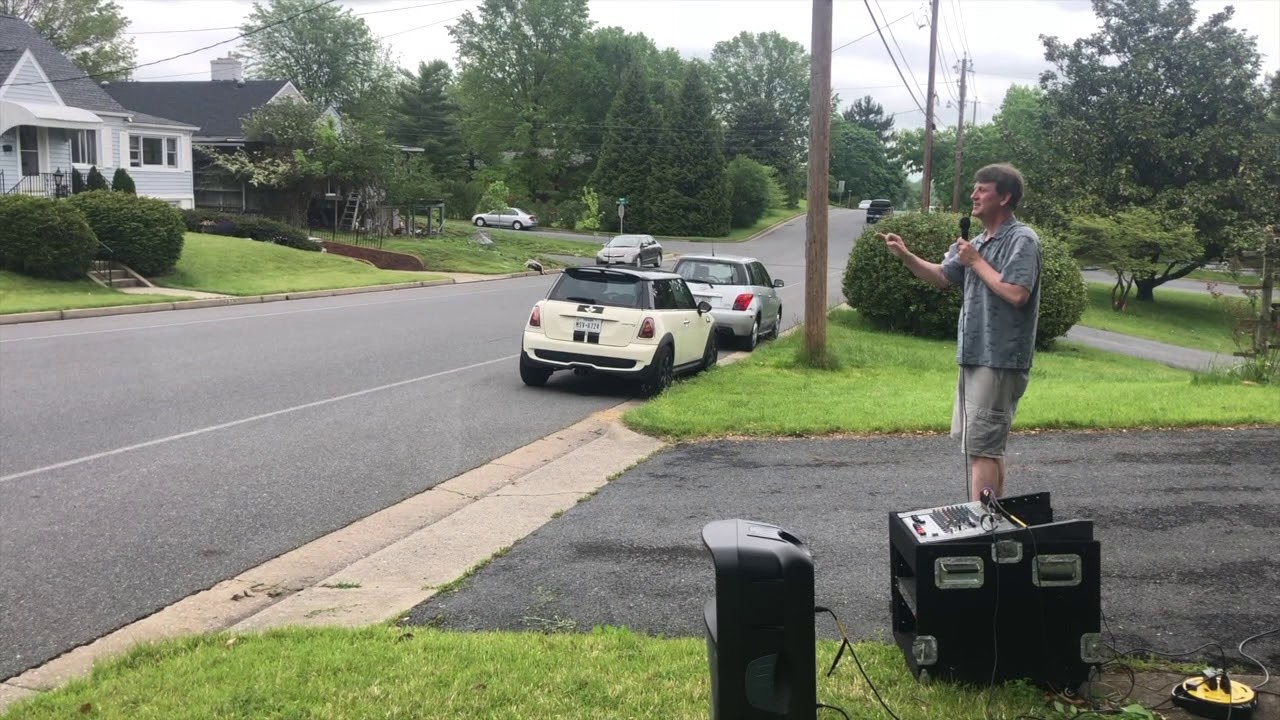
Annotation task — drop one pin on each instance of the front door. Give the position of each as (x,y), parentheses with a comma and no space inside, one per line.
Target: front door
(29,149)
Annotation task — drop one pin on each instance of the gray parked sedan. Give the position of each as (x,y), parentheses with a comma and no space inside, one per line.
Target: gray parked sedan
(636,250)
(515,218)
(744,299)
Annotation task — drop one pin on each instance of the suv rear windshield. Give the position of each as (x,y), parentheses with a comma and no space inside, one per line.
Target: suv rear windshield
(717,272)
(599,288)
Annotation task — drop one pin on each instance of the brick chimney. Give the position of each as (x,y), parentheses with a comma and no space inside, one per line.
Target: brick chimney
(227,68)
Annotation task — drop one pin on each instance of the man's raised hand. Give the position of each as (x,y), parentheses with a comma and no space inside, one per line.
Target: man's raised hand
(894,244)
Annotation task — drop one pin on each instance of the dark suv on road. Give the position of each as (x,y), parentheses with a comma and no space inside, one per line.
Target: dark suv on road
(878,209)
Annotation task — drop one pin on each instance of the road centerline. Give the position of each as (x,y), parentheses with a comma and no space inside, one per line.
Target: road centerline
(243,421)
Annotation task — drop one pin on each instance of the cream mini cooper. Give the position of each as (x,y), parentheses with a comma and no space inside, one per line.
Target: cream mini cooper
(643,326)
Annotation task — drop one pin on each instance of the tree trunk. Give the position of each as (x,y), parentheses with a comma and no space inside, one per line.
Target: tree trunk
(1146,289)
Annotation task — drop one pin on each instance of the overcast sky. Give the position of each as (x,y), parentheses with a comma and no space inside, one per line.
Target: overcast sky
(1002,37)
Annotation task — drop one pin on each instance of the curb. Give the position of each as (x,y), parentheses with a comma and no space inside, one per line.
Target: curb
(46,315)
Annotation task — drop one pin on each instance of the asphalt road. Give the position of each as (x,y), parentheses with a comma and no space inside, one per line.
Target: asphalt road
(1187,523)
(146,457)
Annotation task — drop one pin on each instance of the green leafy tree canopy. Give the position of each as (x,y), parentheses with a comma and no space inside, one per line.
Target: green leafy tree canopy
(89,32)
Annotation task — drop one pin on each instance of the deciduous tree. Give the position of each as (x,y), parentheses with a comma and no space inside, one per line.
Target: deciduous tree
(328,52)
(89,32)
(1155,110)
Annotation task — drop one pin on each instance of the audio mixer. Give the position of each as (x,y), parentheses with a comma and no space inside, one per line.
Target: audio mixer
(952,522)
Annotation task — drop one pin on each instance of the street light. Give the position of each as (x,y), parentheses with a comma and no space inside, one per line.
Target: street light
(57,182)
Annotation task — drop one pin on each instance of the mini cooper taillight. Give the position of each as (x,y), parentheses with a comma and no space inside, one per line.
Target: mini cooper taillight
(647,329)
(743,301)
(535,317)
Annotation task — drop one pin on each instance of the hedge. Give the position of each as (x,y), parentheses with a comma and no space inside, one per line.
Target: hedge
(885,292)
(144,233)
(253,227)
(44,238)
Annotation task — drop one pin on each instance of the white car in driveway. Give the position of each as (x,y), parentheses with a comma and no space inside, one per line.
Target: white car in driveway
(639,325)
(511,217)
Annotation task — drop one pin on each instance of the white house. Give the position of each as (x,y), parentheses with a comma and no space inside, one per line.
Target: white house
(53,119)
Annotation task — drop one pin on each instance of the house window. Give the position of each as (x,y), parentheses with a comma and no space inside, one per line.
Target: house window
(147,151)
(84,147)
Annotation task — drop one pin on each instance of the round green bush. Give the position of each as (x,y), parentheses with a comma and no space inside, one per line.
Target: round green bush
(750,191)
(144,233)
(885,292)
(44,239)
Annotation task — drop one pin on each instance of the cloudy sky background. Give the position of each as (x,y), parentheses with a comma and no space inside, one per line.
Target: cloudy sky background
(1001,36)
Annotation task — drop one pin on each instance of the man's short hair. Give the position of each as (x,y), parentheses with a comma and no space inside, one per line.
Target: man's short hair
(1007,179)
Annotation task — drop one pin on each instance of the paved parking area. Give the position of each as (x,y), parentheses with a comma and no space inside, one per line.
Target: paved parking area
(1187,520)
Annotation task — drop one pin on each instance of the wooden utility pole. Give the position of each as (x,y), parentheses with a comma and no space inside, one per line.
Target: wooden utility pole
(928,110)
(955,193)
(815,263)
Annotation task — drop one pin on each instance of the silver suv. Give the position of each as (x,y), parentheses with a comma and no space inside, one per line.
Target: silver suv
(744,299)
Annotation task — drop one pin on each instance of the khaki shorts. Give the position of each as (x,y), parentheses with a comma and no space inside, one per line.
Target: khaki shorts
(986,399)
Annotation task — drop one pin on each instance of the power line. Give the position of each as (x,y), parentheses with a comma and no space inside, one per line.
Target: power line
(900,53)
(237,27)
(95,76)
(402,32)
(891,57)
(873,32)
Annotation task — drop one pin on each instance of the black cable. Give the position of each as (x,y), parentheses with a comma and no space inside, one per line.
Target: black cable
(94,76)
(845,643)
(1265,672)
(822,706)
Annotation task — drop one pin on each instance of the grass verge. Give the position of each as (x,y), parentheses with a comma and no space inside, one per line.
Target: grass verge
(1189,319)
(889,383)
(770,218)
(388,672)
(455,252)
(20,294)
(235,266)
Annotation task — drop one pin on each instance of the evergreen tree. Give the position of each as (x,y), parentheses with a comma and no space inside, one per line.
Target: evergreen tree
(121,182)
(77,181)
(95,180)
(690,185)
(626,164)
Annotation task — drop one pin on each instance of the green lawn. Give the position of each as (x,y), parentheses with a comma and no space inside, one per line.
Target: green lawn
(19,294)
(889,383)
(388,672)
(455,252)
(235,266)
(771,218)
(1188,319)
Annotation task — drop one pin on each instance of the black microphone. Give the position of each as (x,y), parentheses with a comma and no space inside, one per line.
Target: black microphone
(964,227)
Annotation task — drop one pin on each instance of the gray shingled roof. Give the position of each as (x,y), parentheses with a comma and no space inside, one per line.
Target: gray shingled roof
(76,90)
(217,106)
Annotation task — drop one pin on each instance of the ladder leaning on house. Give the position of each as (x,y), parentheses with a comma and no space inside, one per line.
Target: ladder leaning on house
(351,214)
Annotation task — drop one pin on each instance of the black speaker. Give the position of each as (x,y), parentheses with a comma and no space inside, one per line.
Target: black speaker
(975,595)
(760,625)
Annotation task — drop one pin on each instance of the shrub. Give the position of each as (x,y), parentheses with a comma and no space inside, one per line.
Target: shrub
(751,190)
(95,180)
(890,297)
(497,195)
(121,182)
(144,233)
(589,217)
(77,181)
(253,227)
(44,239)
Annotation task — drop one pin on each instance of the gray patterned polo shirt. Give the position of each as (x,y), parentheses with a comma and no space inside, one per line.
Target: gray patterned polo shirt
(991,331)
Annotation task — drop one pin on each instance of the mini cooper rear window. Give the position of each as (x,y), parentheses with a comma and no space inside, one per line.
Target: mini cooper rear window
(599,288)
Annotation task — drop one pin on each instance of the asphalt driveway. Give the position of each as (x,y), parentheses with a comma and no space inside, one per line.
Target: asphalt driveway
(1187,521)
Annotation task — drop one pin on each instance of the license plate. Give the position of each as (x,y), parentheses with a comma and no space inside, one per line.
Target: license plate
(591,325)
